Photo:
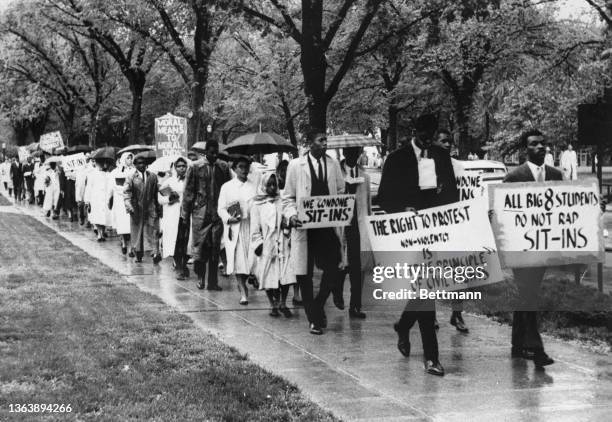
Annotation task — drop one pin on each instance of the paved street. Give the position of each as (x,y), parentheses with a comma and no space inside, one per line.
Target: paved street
(355,371)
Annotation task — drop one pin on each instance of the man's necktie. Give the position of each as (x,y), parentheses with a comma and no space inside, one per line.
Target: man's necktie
(541,177)
(352,172)
(320,170)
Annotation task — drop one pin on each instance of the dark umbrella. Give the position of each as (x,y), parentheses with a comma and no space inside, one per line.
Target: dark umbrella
(78,148)
(104,153)
(148,156)
(59,150)
(259,143)
(135,149)
(200,147)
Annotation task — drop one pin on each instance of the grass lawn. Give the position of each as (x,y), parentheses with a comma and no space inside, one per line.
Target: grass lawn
(72,331)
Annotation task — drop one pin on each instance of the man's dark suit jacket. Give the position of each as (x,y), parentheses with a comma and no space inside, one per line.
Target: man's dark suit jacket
(399,184)
(523,174)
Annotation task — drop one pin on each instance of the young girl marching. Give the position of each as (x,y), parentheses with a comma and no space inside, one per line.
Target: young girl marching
(270,241)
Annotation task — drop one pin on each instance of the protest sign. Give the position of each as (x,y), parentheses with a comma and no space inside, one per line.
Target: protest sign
(23,154)
(170,135)
(75,162)
(51,140)
(470,185)
(451,246)
(325,211)
(547,223)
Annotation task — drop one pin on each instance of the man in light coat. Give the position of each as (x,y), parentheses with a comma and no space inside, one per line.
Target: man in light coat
(569,163)
(142,204)
(313,174)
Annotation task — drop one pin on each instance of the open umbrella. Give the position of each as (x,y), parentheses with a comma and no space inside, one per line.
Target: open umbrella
(135,149)
(200,147)
(164,164)
(149,156)
(104,153)
(75,149)
(348,141)
(259,143)
(53,159)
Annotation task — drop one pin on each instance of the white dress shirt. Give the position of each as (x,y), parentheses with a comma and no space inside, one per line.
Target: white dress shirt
(427,169)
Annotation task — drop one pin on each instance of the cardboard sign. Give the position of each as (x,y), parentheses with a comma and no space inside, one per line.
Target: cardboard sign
(470,186)
(325,211)
(547,223)
(51,140)
(451,246)
(72,163)
(170,135)
(23,154)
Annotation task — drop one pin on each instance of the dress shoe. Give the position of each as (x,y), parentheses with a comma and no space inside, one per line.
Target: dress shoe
(123,250)
(201,284)
(274,312)
(245,302)
(214,288)
(315,330)
(434,368)
(297,302)
(403,340)
(132,254)
(356,313)
(181,277)
(541,359)
(457,321)
(156,258)
(285,311)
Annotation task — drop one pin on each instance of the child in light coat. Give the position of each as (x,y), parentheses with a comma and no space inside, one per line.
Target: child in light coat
(270,242)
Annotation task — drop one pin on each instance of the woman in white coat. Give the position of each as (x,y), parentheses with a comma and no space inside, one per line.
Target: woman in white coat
(96,194)
(39,181)
(234,204)
(269,242)
(52,189)
(120,217)
(170,197)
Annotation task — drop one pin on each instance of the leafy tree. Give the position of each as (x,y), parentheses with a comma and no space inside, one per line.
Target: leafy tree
(327,41)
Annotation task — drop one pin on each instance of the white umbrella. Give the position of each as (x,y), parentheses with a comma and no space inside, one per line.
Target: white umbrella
(165,164)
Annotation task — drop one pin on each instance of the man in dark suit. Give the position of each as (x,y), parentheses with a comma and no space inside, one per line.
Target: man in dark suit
(203,183)
(526,340)
(417,176)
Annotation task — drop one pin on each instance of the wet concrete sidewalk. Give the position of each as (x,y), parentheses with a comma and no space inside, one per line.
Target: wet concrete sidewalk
(355,370)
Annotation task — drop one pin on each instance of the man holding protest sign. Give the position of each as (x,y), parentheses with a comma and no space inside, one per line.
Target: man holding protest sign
(526,339)
(418,176)
(314,174)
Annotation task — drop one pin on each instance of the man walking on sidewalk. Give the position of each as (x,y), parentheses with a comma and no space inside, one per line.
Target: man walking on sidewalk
(200,199)
(526,339)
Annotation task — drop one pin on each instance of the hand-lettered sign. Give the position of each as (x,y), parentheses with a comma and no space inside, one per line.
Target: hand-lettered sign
(170,135)
(50,141)
(453,245)
(326,211)
(547,223)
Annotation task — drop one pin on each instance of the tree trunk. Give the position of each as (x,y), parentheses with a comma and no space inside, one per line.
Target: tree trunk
(93,126)
(392,127)
(198,95)
(462,106)
(289,124)
(67,118)
(314,65)
(137,84)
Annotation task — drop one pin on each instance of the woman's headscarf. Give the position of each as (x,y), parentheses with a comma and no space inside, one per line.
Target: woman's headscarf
(124,157)
(262,195)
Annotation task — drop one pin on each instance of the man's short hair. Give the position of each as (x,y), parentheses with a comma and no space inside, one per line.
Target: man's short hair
(312,134)
(525,135)
(211,143)
(444,132)
(426,122)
